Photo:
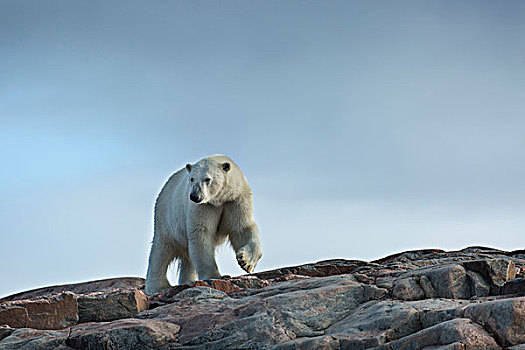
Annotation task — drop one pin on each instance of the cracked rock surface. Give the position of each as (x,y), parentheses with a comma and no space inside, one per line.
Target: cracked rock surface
(426,299)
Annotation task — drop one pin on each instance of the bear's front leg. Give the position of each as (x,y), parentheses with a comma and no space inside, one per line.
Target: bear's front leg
(247,245)
(202,253)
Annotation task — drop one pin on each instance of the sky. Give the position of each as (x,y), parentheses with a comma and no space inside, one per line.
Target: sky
(364,128)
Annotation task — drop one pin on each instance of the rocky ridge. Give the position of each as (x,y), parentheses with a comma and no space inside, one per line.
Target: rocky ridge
(425,299)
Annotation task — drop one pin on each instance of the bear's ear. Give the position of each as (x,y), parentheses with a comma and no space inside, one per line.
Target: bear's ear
(188,167)
(225,166)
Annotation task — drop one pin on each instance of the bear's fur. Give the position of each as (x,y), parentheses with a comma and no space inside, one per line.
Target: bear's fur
(198,209)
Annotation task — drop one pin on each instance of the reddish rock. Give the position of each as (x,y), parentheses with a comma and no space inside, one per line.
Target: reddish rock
(289,277)
(249,282)
(80,288)
(53,312)
(224,286)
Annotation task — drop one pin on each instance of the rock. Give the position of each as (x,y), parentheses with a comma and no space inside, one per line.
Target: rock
(427,287)
(32,339)
(385,282)
(80,288)
(324,342)
(458,333)
(301,308)
(224,286)
(123,334)
(252,282)
(512,271)
(5,331)
(477,284)
(409,255)
(495,271)
(109,306)
(447,281)
(516,286)
(318,269)
(426,299)
(504,318)
(53,312)
(387,319)
(408,289)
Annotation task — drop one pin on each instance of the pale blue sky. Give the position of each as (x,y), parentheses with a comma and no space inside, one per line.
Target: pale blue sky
(364,128)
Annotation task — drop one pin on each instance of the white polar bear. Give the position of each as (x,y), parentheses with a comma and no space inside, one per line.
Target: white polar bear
(197,210)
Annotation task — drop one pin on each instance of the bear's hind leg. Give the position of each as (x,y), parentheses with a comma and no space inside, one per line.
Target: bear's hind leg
(187,272)
(161,255)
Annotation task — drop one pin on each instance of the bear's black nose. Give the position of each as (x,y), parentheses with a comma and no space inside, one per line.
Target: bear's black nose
(195,198)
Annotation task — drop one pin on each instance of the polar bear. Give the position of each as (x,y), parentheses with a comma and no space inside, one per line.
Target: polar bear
(198,209)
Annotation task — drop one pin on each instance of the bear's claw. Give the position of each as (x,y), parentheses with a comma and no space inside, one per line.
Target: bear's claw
(243,263)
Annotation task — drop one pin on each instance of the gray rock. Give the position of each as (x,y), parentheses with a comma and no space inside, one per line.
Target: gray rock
(495,271)
(477,284)
(515,286)
(504,318)
(5,331)
(448,281)
(427,287)
(408,289)
(378,322)
(449,333)
(435,311)
(123,334)
(517,347)
(33,339)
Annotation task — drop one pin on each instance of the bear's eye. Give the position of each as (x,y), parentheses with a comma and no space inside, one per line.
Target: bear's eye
(207,180)
(192,179)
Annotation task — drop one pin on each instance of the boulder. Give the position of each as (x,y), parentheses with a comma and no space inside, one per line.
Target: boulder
(52,312)
(495,271)
(515,286)
(112,305)
(504,318)
(34,339)
(458,333)
(123,334)
(448,281)
(408,289)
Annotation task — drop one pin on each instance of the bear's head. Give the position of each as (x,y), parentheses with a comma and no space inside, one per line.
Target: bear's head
(206,178)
